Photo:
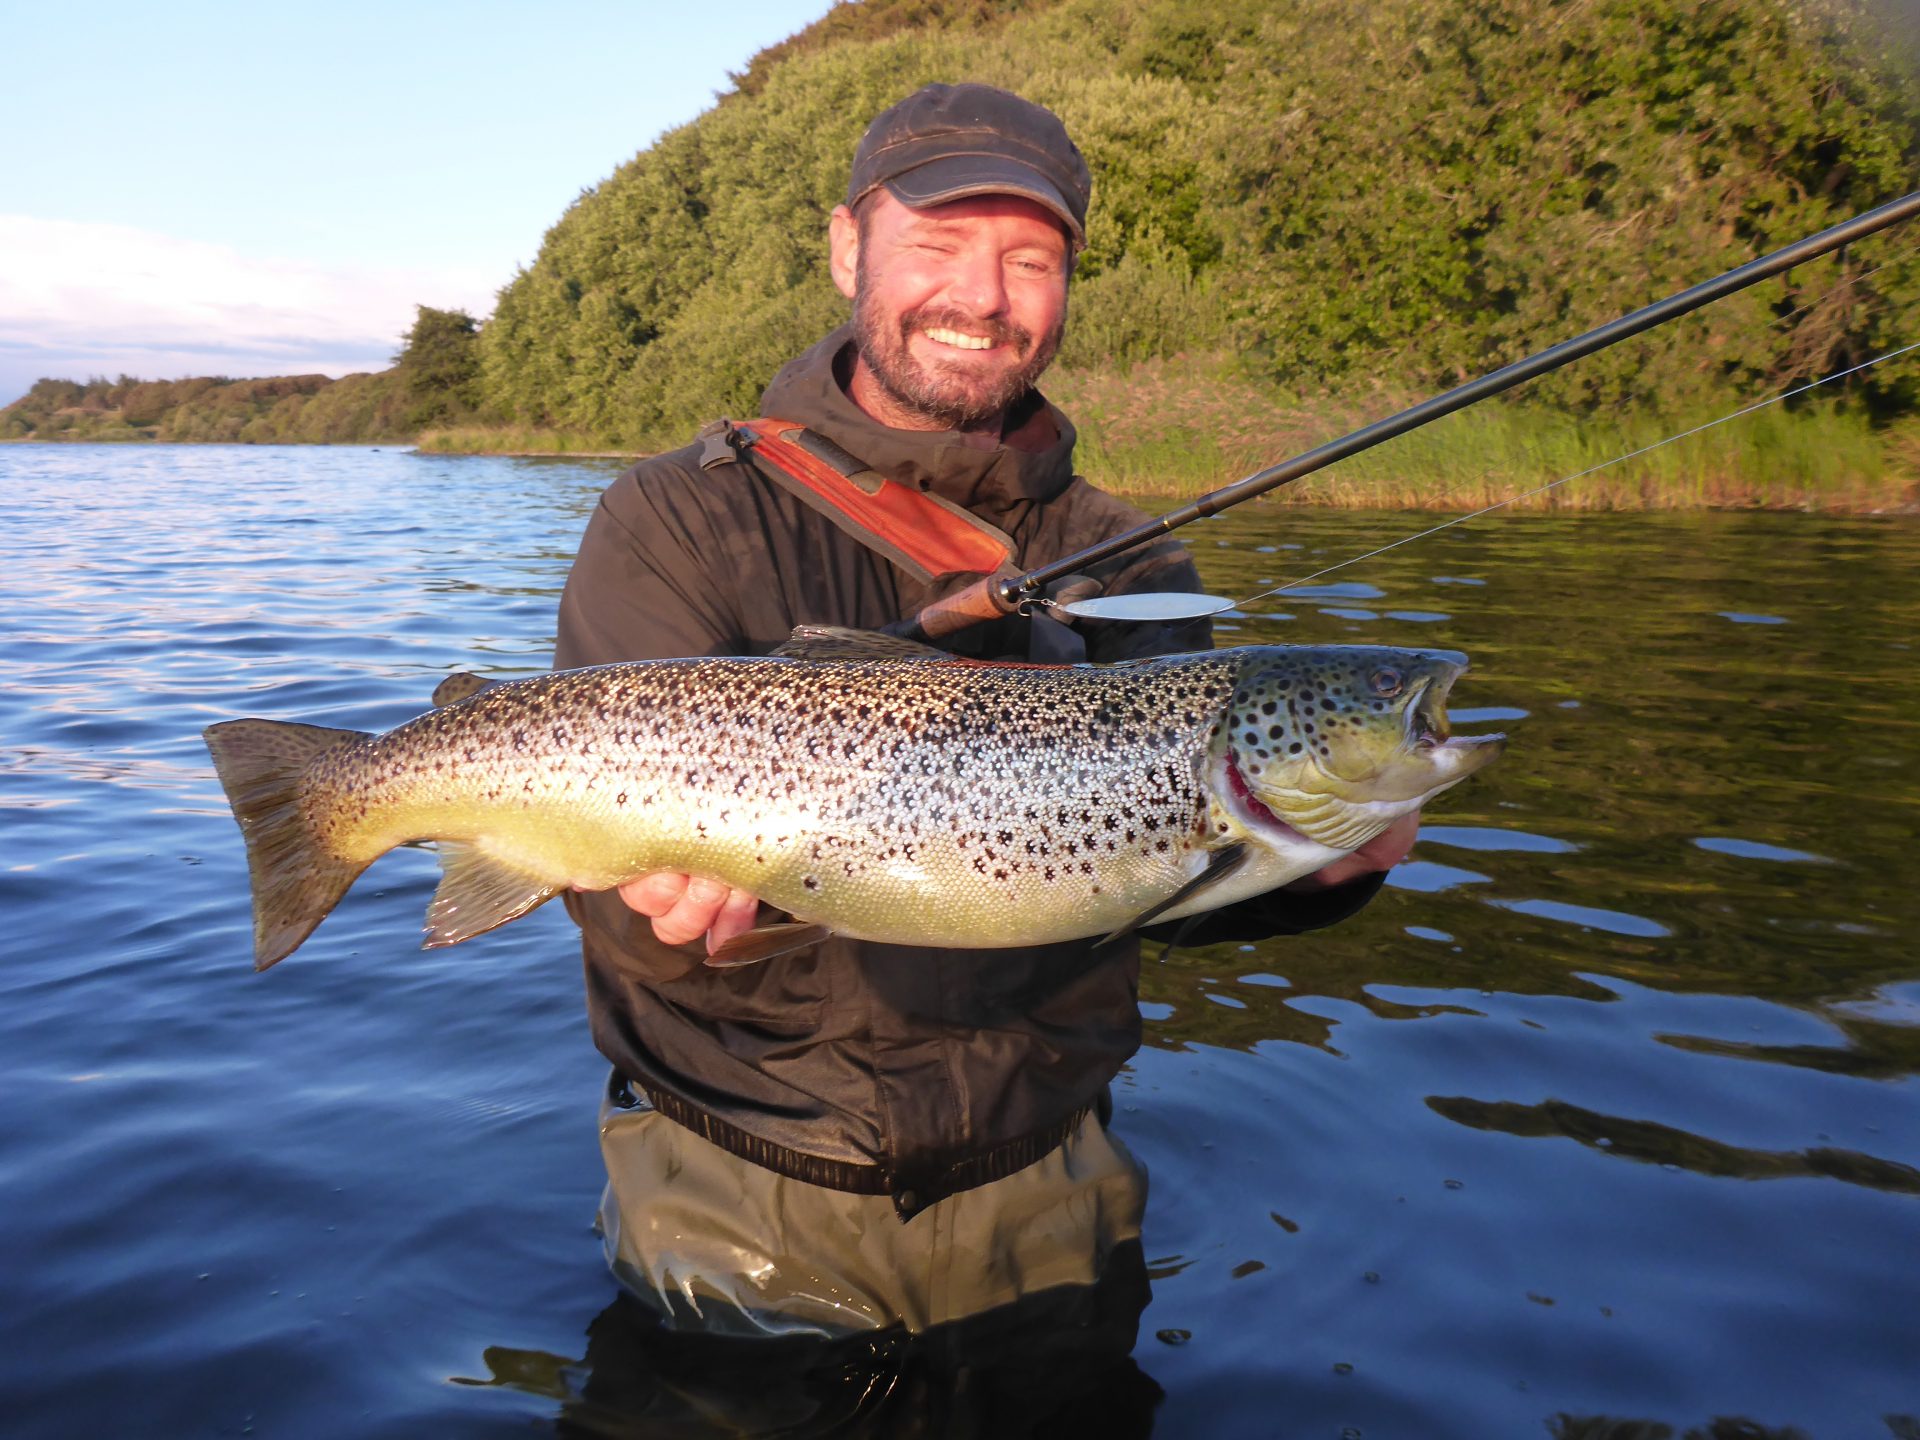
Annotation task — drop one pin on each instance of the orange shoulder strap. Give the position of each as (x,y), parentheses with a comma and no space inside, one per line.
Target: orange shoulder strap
(921,533)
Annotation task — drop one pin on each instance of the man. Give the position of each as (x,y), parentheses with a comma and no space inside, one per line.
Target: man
(866,1136)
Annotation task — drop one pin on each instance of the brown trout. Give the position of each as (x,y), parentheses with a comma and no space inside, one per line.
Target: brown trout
(869,789)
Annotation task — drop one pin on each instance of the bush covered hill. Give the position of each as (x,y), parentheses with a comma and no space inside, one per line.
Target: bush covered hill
(1339,193)
(434,381)
(1316,206)
(284,409)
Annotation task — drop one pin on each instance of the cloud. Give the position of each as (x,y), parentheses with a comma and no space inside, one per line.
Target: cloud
(79,298)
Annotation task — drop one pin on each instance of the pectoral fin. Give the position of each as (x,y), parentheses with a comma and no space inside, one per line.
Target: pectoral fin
(478,892)
(766,943)
(1220,864)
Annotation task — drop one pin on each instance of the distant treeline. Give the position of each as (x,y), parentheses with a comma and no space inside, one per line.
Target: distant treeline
(1310,204)
(434,381)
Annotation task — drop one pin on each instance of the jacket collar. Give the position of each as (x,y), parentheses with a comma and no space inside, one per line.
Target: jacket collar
(1036,467)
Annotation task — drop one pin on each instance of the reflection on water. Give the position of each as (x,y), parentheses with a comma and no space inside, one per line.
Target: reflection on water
(1674,1149)
(1056,1364)
(1672,928)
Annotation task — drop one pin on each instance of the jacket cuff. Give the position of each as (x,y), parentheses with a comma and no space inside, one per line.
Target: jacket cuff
(1278,912)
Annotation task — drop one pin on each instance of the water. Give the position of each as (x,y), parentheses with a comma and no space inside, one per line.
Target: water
(1604,1111)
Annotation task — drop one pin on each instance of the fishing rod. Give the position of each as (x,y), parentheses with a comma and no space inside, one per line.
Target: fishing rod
(1000,595)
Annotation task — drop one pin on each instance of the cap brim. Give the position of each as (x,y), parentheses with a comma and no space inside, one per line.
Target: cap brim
(956,177)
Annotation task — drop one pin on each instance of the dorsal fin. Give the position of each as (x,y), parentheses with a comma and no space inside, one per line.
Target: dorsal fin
(461,685)
(836,642)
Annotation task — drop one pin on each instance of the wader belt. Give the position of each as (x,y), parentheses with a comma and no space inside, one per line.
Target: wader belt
(921,533)
(912,1191)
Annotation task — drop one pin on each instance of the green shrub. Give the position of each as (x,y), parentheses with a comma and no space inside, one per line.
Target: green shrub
(1411,192)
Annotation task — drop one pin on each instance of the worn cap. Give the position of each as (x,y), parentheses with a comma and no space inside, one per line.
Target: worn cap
(950,141)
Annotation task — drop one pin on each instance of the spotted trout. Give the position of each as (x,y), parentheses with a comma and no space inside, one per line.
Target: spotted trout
(867,788)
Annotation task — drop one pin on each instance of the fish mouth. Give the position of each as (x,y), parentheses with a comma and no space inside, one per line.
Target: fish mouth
(1428,730)
(1426,715)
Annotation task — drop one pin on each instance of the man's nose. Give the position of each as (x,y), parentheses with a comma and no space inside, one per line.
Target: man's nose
(979,286)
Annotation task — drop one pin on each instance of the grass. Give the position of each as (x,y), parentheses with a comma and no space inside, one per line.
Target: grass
(1181,428)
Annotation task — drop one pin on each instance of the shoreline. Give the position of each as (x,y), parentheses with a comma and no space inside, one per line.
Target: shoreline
(1898,498)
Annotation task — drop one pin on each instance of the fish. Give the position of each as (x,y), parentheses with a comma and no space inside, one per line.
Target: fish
(866,786)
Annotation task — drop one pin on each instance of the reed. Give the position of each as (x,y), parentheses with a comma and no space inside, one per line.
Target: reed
(1179,428)
(1183,427)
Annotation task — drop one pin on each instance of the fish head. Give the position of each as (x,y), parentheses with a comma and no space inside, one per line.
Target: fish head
(1336,742)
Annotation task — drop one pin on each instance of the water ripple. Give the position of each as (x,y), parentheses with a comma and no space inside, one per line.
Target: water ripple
(319,1191)
(1616,922)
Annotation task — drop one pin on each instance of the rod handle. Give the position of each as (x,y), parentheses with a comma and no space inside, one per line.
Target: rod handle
(978,603)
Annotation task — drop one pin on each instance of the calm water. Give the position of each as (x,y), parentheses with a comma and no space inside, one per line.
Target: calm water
(1605,1111)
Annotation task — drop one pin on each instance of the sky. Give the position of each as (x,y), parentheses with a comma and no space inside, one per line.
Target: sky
(229,189)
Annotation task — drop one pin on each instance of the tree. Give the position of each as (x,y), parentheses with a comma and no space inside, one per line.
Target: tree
(439,368)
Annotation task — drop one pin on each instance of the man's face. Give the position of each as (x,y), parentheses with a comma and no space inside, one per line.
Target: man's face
(958,308)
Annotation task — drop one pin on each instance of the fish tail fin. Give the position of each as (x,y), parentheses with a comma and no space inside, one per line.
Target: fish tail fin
(262,764)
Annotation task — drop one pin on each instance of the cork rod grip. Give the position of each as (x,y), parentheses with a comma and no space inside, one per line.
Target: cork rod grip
(975,605)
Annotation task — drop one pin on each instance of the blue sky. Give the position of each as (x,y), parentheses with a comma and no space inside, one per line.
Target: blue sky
(218,188)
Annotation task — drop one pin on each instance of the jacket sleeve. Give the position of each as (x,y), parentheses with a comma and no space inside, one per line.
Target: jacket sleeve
(1087,515)
(1278,912)
(648,581)
(1164,565)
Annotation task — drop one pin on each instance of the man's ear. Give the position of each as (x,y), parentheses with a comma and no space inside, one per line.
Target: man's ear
(843,232)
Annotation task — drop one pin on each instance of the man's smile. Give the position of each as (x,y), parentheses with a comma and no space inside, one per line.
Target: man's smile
(959,340)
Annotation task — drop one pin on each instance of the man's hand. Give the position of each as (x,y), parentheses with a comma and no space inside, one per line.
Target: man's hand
(685,907)
(1383,852)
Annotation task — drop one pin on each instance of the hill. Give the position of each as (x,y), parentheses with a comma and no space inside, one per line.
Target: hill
(1305,211)
(434,381)
(1338,195)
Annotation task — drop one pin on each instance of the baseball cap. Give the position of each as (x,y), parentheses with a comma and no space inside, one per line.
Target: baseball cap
(946,142)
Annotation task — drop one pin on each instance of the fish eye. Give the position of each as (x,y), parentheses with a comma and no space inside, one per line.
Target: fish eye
(1387,681)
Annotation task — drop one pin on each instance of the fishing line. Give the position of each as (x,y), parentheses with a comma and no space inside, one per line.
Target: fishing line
(1577,475)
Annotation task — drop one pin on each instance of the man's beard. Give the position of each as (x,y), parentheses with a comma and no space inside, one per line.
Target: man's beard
(953,395)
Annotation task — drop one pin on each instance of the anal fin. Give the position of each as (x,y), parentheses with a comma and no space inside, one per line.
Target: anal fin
(478,892)
(766,943)
(1220,864)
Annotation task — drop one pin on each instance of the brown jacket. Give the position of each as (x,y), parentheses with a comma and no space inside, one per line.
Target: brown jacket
(881,1069)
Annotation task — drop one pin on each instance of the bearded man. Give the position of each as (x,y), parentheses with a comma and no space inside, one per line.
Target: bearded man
(859,1136)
